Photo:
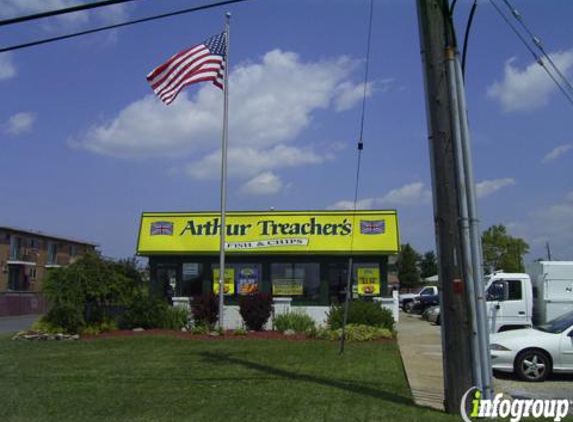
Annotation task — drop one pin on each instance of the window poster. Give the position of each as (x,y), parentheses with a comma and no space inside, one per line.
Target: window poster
(228,284)
(288,287)
(248,280)
(368,281)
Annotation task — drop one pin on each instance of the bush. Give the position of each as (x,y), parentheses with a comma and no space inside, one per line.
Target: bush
(200,329)
(362,313)
(65,316)
(98,328)
(240,332)
(355,332)
(175,318)
(255,310)
(43,326)
(295,321)
(145,313)
(205,310)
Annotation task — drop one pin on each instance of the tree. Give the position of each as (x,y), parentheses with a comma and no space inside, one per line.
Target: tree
(407,265)
(428,265)
(502,251)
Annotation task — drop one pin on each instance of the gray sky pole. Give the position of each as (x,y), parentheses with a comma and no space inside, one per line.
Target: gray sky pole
(224,143)
(475,238)
(467,267)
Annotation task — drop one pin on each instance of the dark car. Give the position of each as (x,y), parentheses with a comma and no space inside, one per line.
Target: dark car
(420,304)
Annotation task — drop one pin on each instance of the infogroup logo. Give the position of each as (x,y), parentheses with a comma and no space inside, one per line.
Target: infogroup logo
(516,409)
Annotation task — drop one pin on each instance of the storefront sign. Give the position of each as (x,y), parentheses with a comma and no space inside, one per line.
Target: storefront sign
(367,232)
(368,281)
(229,282)
(288,287)
(248,281)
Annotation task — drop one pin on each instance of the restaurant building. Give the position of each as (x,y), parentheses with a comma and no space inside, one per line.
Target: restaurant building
(300,257)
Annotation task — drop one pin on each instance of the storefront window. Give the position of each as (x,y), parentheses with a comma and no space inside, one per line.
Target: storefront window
(240,279)
(192,279)
(299,280)
(366,279)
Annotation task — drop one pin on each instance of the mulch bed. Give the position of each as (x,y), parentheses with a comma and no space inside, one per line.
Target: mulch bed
(252,335)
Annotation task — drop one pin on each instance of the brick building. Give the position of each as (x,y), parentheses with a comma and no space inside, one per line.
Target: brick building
(26,256)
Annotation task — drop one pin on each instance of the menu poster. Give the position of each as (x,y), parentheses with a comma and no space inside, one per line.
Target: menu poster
(368,281)
(248,280)
(229,282)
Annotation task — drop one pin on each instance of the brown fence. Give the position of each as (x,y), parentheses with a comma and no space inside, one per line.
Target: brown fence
(22,303)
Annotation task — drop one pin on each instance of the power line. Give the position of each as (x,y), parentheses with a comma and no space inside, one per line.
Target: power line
(119,25)
(64,11)
(537,42)
(538,59)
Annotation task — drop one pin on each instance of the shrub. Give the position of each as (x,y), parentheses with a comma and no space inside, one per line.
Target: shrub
(355,332)
(43,326)
(295,321)
(145,313)
(363,313)
(200,329)
(175,318)
(205,310)
(255,310)
(66,316)
(240,332)
(98,328)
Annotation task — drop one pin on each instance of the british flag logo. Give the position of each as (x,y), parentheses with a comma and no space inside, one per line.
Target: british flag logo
(372,226)
(162,228)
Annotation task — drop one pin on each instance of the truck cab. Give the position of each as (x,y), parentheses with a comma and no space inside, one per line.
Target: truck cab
(509,299)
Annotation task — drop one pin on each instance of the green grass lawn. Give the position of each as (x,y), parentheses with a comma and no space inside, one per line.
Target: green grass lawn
(168,379)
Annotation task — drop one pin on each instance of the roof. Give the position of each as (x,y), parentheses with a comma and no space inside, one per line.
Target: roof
(48,235)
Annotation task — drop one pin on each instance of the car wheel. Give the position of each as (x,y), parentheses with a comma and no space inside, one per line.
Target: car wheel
(533,365)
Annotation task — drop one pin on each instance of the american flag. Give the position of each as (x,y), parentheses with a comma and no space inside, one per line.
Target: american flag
(161,227)
(203,62)
(372,226)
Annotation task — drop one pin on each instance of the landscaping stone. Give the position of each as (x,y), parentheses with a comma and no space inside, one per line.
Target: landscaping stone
(32,335)
(289,332)
(138,330)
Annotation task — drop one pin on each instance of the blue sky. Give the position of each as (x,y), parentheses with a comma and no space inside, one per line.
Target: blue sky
(86,147)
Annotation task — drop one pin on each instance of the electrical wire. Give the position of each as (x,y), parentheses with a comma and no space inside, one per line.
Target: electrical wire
(466,37)
(63,11)
(119,25)
(538,59)
(537,42)
(360,147)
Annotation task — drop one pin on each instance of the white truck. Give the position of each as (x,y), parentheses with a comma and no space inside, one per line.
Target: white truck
(516,300)
(409,297)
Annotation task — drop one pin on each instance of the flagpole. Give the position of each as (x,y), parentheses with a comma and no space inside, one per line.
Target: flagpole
(224,143)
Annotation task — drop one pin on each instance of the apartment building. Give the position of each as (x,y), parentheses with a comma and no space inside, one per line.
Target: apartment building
(27,256)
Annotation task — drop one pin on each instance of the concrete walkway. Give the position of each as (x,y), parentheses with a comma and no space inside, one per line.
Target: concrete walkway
(421,348)
(17,323)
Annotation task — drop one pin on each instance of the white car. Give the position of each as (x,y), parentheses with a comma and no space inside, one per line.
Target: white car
(533,353)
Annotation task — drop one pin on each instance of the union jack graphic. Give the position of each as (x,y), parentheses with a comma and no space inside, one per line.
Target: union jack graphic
(372,226)
(162,228)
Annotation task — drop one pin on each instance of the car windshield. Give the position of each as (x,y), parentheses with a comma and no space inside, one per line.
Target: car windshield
(557,325)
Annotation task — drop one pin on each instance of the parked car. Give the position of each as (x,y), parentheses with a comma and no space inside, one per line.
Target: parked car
(534,353)
(433,315)
(420,304)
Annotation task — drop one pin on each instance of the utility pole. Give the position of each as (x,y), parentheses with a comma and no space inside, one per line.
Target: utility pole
(548,251)
(436,37)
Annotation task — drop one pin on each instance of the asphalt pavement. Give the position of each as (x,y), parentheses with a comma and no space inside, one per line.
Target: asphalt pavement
(17,323)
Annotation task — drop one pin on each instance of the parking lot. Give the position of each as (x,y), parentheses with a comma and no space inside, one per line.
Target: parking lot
(421,348)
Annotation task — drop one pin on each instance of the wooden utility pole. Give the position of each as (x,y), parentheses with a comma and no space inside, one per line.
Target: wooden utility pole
(436,36)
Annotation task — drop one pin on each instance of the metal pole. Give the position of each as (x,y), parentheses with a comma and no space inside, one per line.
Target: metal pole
(224,143)
(346,304)
(464,225)
(475,238)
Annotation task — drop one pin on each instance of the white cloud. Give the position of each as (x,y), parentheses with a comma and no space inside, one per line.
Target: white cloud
(107,15)
(20,123)
(7,68)
(488,187)
(266,183)
(410,194)
(556,153)
(349,94)
(530,88)
(247,162)
(271,103)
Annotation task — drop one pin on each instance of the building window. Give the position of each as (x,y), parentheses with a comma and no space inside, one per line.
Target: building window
(300,280)
(15,243)
(240,279)
(367,279)
(73,251)
(32,274)
(52,253)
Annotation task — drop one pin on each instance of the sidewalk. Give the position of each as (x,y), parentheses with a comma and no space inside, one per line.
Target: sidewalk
(421,348)
(17,323)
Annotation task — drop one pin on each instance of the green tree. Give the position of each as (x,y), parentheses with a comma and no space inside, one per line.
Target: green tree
(502,251)
(428,265)
(407,266)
